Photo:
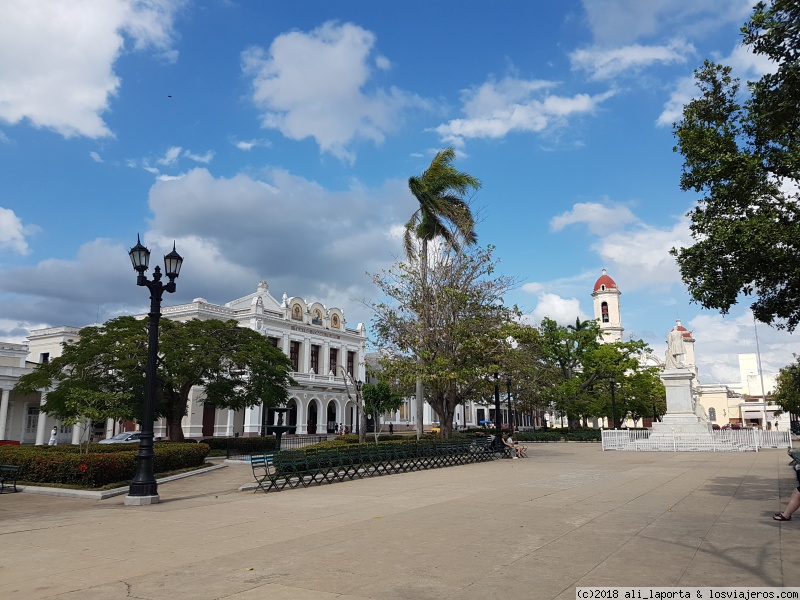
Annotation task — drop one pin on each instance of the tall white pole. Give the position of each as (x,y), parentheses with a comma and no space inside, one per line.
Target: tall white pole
(761,376)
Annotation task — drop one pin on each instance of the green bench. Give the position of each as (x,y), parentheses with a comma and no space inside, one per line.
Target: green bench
(295,468)
(8,474)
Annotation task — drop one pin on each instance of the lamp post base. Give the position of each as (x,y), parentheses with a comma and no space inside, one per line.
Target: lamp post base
(141,500)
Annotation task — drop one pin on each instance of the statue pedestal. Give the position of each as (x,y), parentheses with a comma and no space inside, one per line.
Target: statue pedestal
(681,422)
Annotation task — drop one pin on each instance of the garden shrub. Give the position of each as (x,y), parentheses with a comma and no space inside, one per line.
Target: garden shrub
(111,463)
(539,436)
(584,435)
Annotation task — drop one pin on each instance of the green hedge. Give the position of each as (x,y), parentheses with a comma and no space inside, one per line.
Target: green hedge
(539,436)
(584,435)
(65,465)
(241,445)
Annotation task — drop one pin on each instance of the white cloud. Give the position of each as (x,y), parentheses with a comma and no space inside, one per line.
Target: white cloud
(248,145)
(13,233)
(720,339)
(627,245)
(171,156)
(614,22)
(95,156)
(682,93)
(642,253)
(598,218)
(606,63)
(200,158)
(316,85)
(497,108)
(276,227)
(562,310)
(56,58)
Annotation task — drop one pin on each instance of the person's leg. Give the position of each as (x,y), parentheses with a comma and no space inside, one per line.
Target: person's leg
(791,507)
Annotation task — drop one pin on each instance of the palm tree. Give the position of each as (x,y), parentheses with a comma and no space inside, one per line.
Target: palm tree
(442,213)
(442,209)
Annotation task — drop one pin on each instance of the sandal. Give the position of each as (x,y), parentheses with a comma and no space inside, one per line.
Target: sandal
(780,517)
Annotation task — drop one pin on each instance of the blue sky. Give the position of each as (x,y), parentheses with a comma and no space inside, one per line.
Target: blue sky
(274,140)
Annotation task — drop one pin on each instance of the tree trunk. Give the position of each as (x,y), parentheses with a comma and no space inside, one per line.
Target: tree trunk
(174,419)
(420,405)
(423,269)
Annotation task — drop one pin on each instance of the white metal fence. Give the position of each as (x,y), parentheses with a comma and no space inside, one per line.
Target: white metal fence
(729,440)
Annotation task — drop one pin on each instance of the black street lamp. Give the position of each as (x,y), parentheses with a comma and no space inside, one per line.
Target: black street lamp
(510,407)
(144,489)
(359,383)
(498,417)
(613,401)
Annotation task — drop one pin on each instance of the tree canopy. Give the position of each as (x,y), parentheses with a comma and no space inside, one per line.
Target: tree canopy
(461,342)
(444,213)
(787,393)
(742,155)
(102,374)
(587,367)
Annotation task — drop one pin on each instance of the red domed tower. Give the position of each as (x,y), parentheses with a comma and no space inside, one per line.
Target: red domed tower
(606,308)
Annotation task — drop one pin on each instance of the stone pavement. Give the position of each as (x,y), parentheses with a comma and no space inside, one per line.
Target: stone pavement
(569,515)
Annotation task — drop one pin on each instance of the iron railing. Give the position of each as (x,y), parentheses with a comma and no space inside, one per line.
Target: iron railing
(242,448)
(718,440)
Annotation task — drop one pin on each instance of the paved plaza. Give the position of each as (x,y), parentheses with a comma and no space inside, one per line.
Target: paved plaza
(569,515)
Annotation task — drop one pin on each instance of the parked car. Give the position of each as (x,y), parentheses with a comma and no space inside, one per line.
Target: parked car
(436,429)
(126,437)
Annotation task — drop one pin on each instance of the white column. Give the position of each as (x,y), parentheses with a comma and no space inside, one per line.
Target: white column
(77,431)
(4,413)
(326,358)
(286,344)
(229,422)
(41,424)
(110,428)
(252,421)
(305,365)
(159,429)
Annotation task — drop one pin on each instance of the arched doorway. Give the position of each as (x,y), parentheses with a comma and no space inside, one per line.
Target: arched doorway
(291,416)
(331,417)
(312,417)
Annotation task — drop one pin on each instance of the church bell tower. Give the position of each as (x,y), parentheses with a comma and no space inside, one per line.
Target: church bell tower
(606,308)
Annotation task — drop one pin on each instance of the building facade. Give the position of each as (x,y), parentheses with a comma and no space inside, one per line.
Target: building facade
(327,359)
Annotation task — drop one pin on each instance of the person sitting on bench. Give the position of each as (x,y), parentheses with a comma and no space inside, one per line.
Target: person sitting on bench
(516,449)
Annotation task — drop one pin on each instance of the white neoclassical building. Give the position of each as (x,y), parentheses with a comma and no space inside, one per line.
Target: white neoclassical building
(326,355)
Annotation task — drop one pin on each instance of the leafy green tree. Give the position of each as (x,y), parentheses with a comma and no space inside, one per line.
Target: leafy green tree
(534,379)
(586,366)
(102,374)
(787,394)
(742,155)
(443,213)
(380,398)
(463,339)
(567,349)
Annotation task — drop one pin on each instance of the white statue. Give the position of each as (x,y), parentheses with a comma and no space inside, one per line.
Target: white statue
(675,348)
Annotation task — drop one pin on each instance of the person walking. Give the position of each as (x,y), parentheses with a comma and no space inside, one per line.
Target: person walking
(53,437)
(391,428)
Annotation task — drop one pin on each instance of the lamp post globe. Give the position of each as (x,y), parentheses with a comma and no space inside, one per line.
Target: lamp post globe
(144,488)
